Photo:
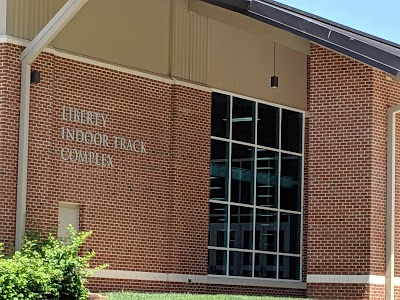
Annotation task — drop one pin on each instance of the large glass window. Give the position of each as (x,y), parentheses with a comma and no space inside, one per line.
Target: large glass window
(256,169)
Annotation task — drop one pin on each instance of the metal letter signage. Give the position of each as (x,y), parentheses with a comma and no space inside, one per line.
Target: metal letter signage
(98,139)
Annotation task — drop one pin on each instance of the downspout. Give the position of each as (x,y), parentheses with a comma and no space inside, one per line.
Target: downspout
(31,52)
(390,200)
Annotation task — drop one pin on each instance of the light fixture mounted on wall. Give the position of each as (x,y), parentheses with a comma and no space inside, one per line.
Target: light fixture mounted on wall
(35,77)
(274,79)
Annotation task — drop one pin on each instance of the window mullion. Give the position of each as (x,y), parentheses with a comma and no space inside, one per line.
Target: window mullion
(240,260)
(302,196)
(229,185)
(255,188)
(278,183)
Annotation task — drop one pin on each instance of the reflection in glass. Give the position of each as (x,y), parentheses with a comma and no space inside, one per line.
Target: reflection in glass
(268,126)
(243,115)
(218,228)
(289,233)
(241,227)
(289,267)
(257,240)
(266,230)
(265,265)
(292,131)
(217,262)
(240,264)
(220,116)
(242,184)
(267,174)
(291,182)
(219,170)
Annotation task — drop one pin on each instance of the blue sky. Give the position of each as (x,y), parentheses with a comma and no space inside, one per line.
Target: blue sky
(379,18)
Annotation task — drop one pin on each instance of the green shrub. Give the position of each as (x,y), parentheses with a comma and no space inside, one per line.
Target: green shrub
(49,269)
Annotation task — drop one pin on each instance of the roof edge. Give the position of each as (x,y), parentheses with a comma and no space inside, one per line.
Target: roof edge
(370,50)
(332,23)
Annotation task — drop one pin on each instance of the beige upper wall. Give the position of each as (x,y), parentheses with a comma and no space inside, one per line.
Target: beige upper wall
(240,57)
(250,25)
(25,18)
(242,62)
(129,32)
(132,33)
(185,39)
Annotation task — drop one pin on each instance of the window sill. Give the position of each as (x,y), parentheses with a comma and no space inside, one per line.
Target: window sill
(203,279)
(273,283)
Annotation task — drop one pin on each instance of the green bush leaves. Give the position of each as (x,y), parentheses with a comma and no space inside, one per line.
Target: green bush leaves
(49,269)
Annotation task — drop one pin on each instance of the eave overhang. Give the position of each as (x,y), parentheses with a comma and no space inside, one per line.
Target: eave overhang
(373,51)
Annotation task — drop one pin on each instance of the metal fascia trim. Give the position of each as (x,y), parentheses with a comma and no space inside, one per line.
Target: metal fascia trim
(234,5)
(361,48)
(317,32)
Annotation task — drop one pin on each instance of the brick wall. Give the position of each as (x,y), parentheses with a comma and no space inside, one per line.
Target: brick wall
(387,92)
(340,106)
(149,212)
(330,291)
(348,104)
(190,156)
(9,116)
(126,206)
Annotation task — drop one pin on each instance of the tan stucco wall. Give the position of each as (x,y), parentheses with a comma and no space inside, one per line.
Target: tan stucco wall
(206,45)
(242,62)
(25,18)
(130,33)
(250,25)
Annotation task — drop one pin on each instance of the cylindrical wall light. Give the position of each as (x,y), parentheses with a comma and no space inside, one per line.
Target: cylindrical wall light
(35,76)
(274,79)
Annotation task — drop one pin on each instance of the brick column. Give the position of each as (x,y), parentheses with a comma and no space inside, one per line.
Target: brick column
(387,93)
(190,156)
(9,116)
(347,179)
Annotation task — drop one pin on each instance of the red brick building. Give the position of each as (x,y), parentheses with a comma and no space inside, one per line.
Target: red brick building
(156,125)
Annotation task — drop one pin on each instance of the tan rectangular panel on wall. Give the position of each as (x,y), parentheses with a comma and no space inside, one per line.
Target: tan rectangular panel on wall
(242,62)
(68,214)
(25,18)
(132,33)
(189,44)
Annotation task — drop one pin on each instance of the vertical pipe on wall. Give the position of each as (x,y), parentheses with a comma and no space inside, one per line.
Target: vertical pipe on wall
(171,37)
(390,200)
(22,154)
(3,15)
(31,52)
